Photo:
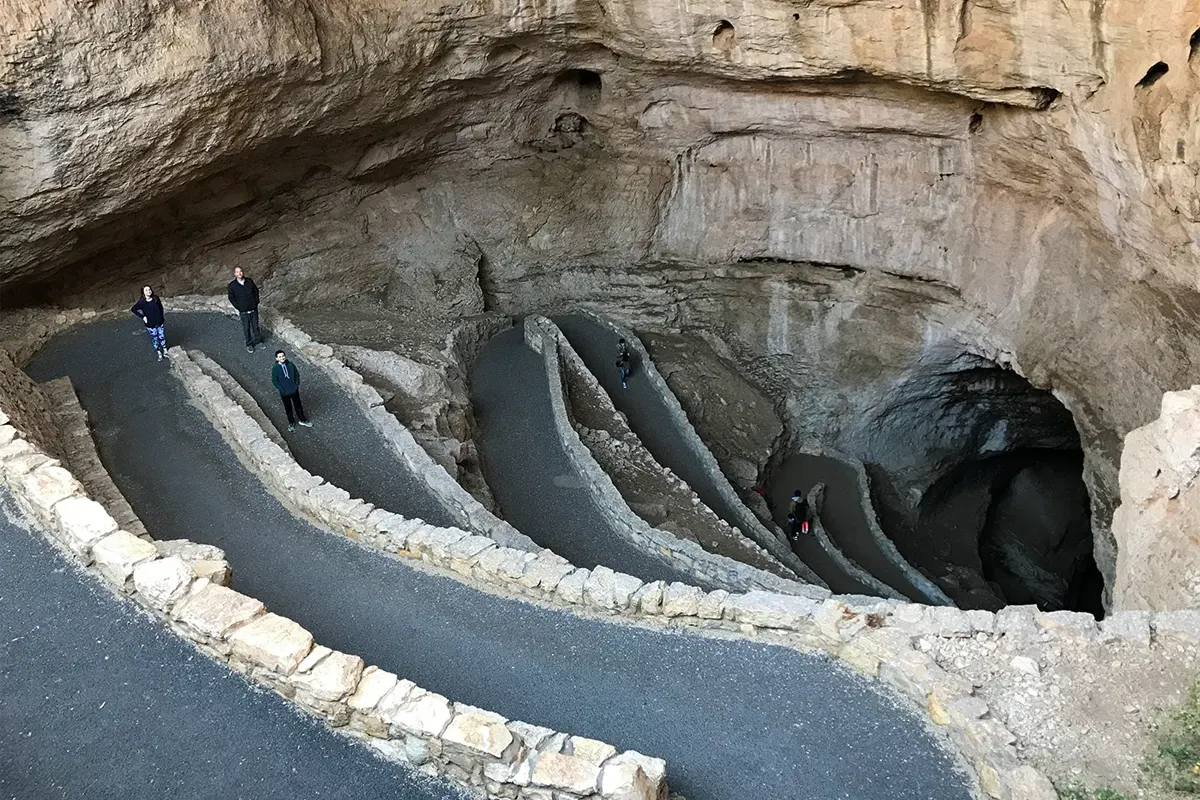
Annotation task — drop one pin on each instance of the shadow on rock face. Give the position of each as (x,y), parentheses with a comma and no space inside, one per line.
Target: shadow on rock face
(1036,542)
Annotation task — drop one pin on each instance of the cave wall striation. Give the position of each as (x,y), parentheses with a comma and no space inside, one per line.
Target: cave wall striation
(850,195)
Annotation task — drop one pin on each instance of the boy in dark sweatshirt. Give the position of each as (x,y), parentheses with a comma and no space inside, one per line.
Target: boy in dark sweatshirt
(286,379)
(150,309)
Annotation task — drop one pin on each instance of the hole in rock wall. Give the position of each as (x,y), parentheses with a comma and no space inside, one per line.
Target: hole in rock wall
(1044,97)
(1153,74)
(975,123)
(723,36)
(977,477)
(10,105)
(1194,44)
(580,87)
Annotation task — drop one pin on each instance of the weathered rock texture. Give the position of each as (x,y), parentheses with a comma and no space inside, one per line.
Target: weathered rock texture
(1157,526)
(849,193)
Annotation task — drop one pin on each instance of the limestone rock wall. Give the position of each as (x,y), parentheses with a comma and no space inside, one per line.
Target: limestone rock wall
(845,192)
(1157,526)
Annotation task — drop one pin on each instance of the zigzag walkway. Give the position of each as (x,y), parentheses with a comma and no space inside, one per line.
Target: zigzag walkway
(734,719)
(652,421)
(98,701)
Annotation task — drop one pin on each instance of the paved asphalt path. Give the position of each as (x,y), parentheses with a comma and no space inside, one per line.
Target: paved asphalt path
(100,701)
(533,481)
(348,458)
(734,719)
(652,421)
(842,513)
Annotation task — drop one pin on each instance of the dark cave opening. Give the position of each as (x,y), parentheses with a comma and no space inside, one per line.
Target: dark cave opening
(1014,529)
(990,502)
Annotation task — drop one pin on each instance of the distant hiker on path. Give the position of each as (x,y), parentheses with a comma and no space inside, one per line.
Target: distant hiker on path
(286,379)
(243,295)
(150,309)
(623,362)
(798,516)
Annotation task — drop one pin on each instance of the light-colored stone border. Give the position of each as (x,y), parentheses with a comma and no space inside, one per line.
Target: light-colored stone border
(462,507)
(875,637)
(479,749)
(82,458)
(243,398)
(931,591)
(749,523)
(711,570)
(747,519)
(844,562)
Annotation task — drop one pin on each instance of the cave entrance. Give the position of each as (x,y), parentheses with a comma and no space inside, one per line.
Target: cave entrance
(1007,518)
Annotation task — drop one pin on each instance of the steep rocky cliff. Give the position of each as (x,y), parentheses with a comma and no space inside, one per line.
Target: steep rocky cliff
(852,194)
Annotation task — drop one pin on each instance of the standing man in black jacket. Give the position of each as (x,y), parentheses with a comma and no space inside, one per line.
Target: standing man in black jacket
(243,295)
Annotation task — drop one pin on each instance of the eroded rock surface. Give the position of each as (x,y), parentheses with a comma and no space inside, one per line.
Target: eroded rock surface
(848,194)
(1157,526)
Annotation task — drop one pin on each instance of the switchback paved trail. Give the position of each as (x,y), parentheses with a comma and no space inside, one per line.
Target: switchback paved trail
(99,701)
(842,513)
(532,479)
(654,424)
(734,719)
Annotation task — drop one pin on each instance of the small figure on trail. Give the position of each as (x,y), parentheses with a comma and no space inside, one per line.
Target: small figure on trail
(286,379)
(799,518)
(243,295)
(623,362)
(150,309)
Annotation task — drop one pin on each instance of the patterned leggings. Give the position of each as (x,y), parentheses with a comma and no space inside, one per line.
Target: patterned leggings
(157,337)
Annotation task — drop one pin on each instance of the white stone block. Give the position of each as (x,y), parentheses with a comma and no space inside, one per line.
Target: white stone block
(163,582)
(214,610)
(771,610)
(592,751)
(423,713)
(333,678)
(49,484)
(118,554)
(271,641)
(681,600)
(480,731)
(569,773)
(82,523)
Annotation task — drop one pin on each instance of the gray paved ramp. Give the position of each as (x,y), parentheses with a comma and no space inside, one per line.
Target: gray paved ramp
(734,719)
(654,424)
(532,479)
(341,439)
(99,701)
(842,512)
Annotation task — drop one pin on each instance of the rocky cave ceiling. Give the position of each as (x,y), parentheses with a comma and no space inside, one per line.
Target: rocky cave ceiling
(861,189)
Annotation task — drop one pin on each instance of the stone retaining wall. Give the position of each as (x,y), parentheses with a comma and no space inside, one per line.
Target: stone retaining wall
(80,456)
(477,748)
(931,591)
(709,569)
(774,542)
(844,562)
(746,519)
(895,642)
(874,636)
(242,397)
(458,502)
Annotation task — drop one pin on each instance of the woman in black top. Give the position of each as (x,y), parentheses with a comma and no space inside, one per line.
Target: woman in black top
(150,309)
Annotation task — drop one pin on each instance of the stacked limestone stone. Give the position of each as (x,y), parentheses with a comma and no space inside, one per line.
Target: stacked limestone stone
(481,749)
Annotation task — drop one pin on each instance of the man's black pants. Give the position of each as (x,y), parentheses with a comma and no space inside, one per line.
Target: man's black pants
(250,327)
(292,402)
